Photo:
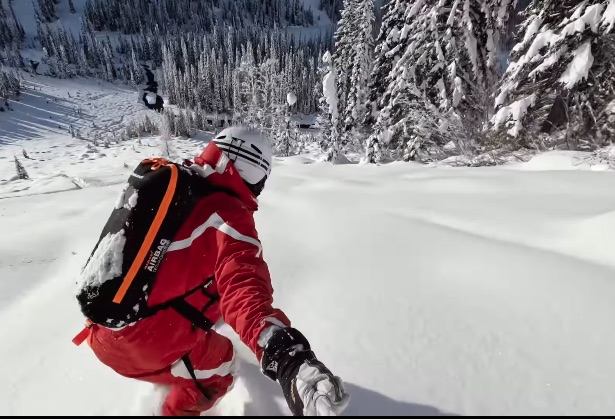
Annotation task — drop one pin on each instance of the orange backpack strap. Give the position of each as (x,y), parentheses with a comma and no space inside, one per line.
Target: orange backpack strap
(157,162)
(152,232)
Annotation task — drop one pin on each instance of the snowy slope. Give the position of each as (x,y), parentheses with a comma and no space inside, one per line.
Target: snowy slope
(41,118)
(430,290)
(89,105)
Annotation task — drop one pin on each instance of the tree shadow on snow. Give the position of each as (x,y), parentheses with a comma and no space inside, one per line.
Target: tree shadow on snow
(267,399)
(35,114)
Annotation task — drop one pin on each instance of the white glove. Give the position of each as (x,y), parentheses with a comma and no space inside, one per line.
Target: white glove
(322,394)
(309,387)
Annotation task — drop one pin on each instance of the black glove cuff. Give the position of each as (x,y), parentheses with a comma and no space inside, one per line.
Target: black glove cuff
(287,349)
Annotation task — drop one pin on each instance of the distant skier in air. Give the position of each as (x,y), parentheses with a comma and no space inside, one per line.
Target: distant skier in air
(216,262)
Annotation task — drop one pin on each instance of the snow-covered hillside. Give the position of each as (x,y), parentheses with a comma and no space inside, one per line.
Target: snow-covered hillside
(39,123)
(429,290)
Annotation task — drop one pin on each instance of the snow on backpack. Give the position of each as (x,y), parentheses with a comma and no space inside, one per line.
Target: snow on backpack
(119,274)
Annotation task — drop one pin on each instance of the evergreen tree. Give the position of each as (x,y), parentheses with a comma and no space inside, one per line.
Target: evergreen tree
(11,31)
(9,85)
(196,45)
(560,85)
(323,119)
(331,98)
(166,131)
(171,17)
(438,62)
(353,61)
(343,60)
(21,171)
(388,45)
(47,9)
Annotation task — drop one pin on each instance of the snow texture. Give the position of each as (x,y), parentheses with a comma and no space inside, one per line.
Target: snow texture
(608,18)
(542,40)
(491,289)
(499,257)
(458,92)
(501,98)
(529,33)
(416,6)
(121,198)
(549,62)
(405,31)
(132,201)
(591,19)
(330,93)
(579,68)
(291,98)
(514,114)
(106,262)
(472,49)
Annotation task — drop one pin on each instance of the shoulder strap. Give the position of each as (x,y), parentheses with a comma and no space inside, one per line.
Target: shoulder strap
(205,392)
(157,222)
(198,320)
(191,313)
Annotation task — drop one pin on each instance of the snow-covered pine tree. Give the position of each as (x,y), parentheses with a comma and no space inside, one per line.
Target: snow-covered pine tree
(137,75)
(437,59)
(21,171)
(199,63)
(166,131)
(353,60)
(169,16)
(11,31)
(329,90)
(365,56)
(323,119)
(560,86)
(497,17)
(387,46)
(47,10)
(247,78)
(181,125)
(9,85)
(343,59)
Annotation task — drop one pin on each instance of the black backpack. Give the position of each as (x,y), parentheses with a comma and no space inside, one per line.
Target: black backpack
(120,272)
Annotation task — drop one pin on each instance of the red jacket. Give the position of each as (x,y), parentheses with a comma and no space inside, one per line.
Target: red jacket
(218,241)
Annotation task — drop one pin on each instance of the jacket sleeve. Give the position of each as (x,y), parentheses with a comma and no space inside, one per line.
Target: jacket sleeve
(242,277)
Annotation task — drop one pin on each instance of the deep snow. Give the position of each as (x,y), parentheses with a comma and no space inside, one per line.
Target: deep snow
(464,291)
(428,289)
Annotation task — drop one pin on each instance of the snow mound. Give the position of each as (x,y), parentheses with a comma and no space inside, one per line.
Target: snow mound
(563,160)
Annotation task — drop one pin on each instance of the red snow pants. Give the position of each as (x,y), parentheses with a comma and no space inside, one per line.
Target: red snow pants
(151,350)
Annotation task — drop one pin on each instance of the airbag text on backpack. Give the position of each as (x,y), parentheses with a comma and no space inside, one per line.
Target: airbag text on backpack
(156,257)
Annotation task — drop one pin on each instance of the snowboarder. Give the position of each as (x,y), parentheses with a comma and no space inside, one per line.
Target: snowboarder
(218,247)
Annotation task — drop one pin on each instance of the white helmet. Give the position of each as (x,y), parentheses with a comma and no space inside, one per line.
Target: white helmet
(249,151)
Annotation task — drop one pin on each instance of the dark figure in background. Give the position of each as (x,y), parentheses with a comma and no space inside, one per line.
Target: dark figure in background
(152,86)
